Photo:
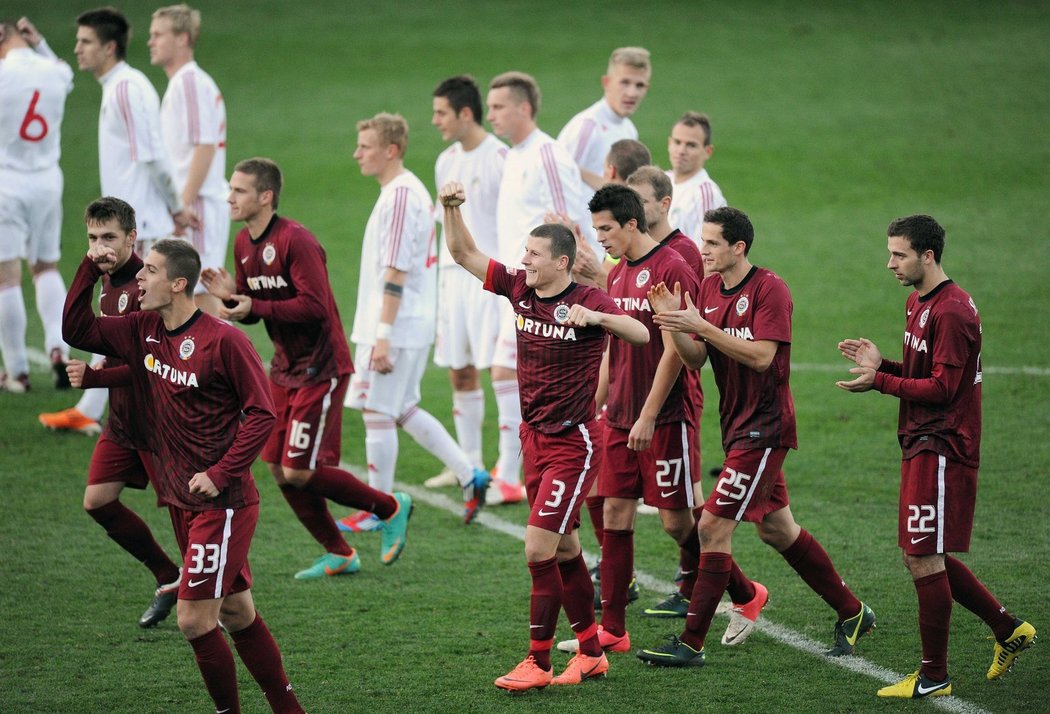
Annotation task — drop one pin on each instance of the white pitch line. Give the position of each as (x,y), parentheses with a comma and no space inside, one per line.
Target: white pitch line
(782,634)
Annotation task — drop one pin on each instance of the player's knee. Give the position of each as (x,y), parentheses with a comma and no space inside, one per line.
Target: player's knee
(298,477)
(192,623)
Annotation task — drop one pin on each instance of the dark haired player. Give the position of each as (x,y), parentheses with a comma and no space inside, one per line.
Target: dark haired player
(210,414)
(561,333)
(939,386)
(742,319)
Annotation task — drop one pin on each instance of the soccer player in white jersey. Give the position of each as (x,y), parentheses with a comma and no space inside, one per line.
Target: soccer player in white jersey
(590,134)
(33,88)
(193,128)
(132,163)
(468,316)
(394,321)
(695,193)
(539,177)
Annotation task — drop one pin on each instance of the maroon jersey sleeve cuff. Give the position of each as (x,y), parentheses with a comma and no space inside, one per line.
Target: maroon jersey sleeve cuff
(107,377)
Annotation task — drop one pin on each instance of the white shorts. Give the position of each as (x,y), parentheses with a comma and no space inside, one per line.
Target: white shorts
(468,321)
(213,237)
(31,215)
(394,393)
(506,354)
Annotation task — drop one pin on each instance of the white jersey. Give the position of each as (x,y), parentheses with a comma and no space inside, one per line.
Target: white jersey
(539,177)
(590,134)
(691,200)
(399,234)
(480,171)
(33,90)
(128,138)
(193,113)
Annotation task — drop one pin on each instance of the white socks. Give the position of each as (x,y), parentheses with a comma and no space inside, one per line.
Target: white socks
(508,468)
(432,436)
(380,450)
(50,297)
(93,403)
(468,414)
(13,331)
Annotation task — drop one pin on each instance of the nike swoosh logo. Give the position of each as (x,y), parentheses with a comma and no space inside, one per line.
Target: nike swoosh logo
(616,281)
(720,502)
(524,305)
(917,540)
(533,627)
(244,260)
(295,454)
(547,513)
(709,310)
(909,313)
(919,689)
(101,295)
(195,583)
(149,338)
(668,494)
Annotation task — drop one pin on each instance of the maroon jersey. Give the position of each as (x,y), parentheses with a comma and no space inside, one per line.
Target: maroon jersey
(686,248)
(939,381)
(632,369)
(557,365)
(284,273)
(756,408)
(120,296)
(210,407)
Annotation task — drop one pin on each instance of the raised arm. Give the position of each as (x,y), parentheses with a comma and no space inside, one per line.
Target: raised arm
(625,327)
(457,236)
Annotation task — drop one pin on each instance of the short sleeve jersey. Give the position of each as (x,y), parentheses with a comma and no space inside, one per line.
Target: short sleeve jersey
(193,113)
(756,409)
(128,138)
(557,365)
(590,134)
(284,271)
(691,200)
(34,90)
(539,177)
(943,328)
(633,368)
(399,234)
(119,296)
(480,171)
(210,408)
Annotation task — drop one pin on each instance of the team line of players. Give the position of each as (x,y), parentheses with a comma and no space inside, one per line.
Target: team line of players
(656,299)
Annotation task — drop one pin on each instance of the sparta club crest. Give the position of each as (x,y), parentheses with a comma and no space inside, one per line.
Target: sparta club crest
(561,314)
(642,278)
(269,254)
(186,349)
(742,305)
(122,302)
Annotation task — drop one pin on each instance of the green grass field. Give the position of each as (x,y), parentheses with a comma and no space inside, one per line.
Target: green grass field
(830,119)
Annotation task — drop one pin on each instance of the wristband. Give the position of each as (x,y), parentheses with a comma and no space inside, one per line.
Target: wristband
(383,330)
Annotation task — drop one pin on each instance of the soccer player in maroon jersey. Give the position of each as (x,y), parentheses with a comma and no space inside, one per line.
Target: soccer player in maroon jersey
(121,457)
(651,449)
(938,383)
(742,319)
(210,412)
(561,334)
(282,279)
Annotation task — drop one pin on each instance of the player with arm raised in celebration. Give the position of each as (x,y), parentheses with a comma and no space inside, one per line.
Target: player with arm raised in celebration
(561,335)
(210,414)
(742,321)
(939,386)
(282,279)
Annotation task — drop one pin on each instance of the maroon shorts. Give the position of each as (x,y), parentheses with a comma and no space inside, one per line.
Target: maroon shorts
(214,546)
(112,463)
(309,427)
(937,500)
(662,475)
(559,472)
(751,485)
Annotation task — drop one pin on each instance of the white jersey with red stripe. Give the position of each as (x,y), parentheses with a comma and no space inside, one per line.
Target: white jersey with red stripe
(480,171)
(539,177)
(34,89)
(128,138)
(590,134)
(193,113)
(691,199)
(399,234)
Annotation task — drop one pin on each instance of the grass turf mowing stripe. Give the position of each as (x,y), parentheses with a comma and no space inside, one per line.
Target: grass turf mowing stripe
(782,634)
